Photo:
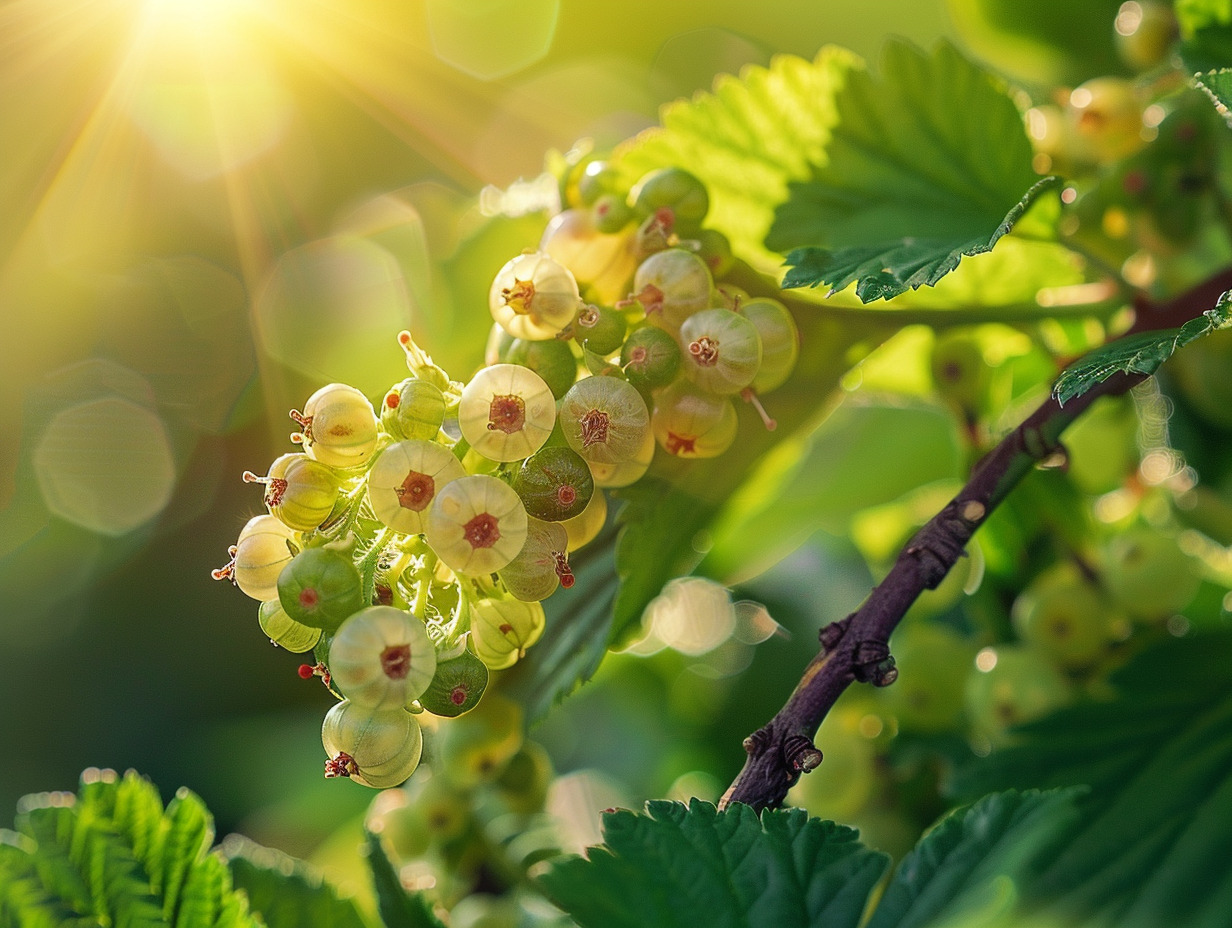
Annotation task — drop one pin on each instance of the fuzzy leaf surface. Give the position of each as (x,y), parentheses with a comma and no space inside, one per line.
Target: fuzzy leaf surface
(1142,353)
(926,164)
(1150,850)
(677,866)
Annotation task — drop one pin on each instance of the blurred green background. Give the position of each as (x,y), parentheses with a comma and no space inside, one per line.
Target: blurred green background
(212,208)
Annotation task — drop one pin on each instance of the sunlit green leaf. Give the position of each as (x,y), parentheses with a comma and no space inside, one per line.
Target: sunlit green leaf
(746,140)
(113,856)
(828,477)
(1142,353)
(926,164)
(1218,86)
(678,866)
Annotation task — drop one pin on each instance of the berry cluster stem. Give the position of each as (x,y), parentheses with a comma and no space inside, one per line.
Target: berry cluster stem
(857,647)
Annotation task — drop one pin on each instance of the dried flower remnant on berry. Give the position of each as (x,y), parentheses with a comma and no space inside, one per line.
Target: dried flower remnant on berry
(705,351)
(594,426)
(519,296)
(341,766)
(483,531)
(507,414)
(416,491)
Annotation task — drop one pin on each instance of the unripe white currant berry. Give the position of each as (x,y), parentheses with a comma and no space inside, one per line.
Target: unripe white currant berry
(542,565)
(284,631)
(382,658)
(533,297)
(502,630)
(604,262)
(299,491)
(477,525)
(339,426)
(780,341)
(613,476)
(264,548)
(722,350)
(671,285)
(583,529)
(406,478)
(605,419)
(692,424)
(506,412)
(375,747)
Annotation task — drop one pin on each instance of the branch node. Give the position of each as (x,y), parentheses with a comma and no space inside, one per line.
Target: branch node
(756,743)
(801,754)
(833,633)
(973,511)
(873,664)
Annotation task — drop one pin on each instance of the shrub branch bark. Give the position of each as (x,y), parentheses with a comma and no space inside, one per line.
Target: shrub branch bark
(857,647)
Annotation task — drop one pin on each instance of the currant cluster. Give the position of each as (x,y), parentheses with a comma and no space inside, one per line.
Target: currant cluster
(1140,152)
(410,548)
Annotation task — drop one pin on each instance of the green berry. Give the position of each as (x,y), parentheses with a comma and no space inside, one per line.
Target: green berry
(413,409)
(554,483)
(1064,616)
(320,587)
(457,686)
(722,350)
(650,358)
(552,360)
(599,329)
(605,420)
(675,189)
(1148,574)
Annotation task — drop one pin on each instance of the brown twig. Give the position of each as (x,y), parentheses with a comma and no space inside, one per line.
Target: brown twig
(857,647)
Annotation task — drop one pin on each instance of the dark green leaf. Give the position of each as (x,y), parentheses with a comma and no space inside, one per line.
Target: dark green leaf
(1138,354)
(286,892)
(746,141)
(888,268)
(398,908)
(1151,848)
(954,870)
(673,866)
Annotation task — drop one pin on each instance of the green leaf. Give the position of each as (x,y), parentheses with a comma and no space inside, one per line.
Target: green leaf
(1044,41)
(821,481)
(1208,49)
(958,866)
(1151,848)
(286,892)
(398,908)
(1193,15)
(1218,86)
(112,855)
(674,866)
(746,141)
(926,164)
(1142,353)
(579,623)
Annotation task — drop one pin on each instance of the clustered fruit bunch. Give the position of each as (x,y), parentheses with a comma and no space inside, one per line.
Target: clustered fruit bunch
(410,548)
